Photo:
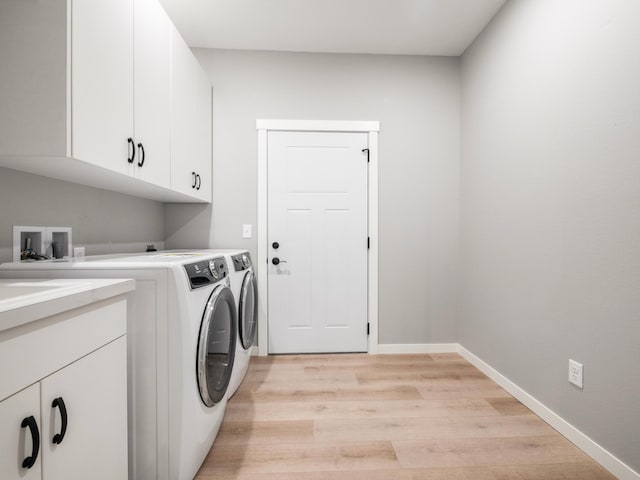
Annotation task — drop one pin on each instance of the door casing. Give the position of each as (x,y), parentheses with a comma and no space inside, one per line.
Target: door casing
(372,128)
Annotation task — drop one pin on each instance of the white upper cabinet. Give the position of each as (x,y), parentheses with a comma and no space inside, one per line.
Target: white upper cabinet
(152,99)
(190,122)
(86,97)
(102,82)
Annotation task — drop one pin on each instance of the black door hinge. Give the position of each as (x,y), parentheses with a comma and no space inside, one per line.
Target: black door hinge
(367,151)
(368,243)
(368,328)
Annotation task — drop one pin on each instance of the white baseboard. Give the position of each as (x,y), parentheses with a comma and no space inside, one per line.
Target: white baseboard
(584,443)
(254,351)
(391,348)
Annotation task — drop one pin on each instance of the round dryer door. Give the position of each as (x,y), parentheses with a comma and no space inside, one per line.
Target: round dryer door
(248,310)
(216,346)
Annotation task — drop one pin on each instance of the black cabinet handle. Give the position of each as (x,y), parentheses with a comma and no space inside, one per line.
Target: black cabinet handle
(142,156)
(132,150)
(58,437)
(199,181)
(30,422)
(194,180)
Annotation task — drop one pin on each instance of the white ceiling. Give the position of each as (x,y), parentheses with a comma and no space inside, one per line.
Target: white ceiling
(402,27)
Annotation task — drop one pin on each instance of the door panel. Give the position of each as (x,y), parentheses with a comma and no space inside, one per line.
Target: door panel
(102,85)
(317,212)
(152,112)
(190,122)
(15,441)
(94,392)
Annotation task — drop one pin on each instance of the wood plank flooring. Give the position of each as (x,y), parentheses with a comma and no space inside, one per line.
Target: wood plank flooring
(379,417)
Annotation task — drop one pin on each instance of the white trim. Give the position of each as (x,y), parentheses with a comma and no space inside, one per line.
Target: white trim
(399,348)
(584,443)
(372,267)
(318,125)
(372,128)
(254,351)
(263,334)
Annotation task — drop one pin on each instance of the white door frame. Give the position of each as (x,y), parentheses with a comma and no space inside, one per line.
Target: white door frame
(372,129)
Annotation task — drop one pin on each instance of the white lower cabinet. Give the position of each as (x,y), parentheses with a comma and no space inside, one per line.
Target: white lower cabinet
(16,441)
(63,394)
(74,422)
(94,393)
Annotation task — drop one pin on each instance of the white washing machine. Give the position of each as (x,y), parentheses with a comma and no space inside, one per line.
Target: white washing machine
(245,290)
(182,324)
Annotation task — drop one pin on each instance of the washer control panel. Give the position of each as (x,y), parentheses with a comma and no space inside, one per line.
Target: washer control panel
(206,272)
(241,261)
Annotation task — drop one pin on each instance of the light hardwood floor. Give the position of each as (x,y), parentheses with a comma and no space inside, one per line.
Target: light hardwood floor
(379,417)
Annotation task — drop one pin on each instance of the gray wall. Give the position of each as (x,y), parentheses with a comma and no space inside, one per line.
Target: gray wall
(551,209)
(102,222)
(416,99)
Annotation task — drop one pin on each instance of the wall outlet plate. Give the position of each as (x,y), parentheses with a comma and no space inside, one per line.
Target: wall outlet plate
(246,231)
(575,373)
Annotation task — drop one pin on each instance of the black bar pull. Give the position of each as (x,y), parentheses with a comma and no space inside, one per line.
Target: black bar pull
(366,150)
(30,422)
(142,155)
(199,181)
(59,403)
(132,150)
(193,179)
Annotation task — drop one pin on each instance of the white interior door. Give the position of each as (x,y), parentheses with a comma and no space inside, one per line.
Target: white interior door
(317,219)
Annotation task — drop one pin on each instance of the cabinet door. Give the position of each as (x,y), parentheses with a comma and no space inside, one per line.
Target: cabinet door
(16,442)
(190,123)
(152,107)
(94,393)
(102,82)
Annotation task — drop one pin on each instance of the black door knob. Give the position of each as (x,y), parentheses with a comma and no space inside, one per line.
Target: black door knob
(275,260)
(275,245)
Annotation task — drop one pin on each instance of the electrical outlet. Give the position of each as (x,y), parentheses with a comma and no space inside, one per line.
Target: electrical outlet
(246,230)
(78,251)
(575,373)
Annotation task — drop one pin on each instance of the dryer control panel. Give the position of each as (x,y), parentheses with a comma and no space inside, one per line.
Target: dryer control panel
(206,272)
(241,261)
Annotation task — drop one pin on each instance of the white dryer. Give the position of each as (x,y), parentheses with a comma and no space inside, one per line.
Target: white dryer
(182,324)
(245,290)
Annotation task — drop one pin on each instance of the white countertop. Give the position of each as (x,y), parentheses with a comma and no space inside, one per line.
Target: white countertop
(25,300)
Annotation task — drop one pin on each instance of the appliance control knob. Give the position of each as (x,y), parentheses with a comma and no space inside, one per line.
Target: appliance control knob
(245,261)
(213,269)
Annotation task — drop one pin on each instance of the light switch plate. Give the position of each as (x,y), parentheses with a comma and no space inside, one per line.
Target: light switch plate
(246,231)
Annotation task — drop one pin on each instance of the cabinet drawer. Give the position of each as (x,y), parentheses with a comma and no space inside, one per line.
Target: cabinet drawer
(35,350)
